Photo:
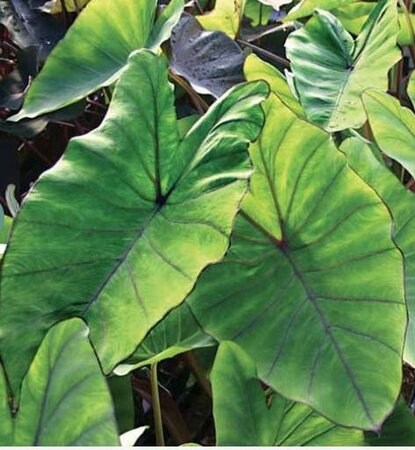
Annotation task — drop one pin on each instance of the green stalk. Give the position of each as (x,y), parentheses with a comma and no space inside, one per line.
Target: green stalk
(155,399)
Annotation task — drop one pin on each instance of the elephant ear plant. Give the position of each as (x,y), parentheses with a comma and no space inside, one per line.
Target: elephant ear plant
(251,227)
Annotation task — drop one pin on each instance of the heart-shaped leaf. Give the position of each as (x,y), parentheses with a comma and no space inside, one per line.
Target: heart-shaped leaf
(393,127)
(65,400)
(249,420)
(302,274)
(94,52)
(131,214)
(401,204)
(332,70)
(177,333)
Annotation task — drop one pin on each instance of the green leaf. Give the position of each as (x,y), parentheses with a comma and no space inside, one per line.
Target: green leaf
(393,127)
(65,400)
(118,231)
(257,69)
(332,70)
(226,17)
(302,274)
(401,204)
(242,416)
(177,333)
(308,7)
(95,51)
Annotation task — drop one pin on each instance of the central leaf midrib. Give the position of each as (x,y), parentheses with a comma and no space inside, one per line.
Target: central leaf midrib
(160,200)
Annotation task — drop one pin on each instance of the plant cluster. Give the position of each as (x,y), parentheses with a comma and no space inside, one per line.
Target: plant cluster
(241,203)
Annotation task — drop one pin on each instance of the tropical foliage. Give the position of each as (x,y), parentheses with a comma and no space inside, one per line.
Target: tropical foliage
(216,219)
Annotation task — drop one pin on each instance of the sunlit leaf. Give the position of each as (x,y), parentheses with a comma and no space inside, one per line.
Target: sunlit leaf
(65,400)
(102,38)
(118,231)
(226,17)
(300,289)
(393,127)
(401,204)
(332,70)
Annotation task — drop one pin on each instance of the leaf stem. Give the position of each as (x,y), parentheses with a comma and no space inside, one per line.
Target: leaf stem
(155,399)
(197,100)
(272,56)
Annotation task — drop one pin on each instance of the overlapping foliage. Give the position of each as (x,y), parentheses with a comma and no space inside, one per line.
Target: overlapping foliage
(273,220)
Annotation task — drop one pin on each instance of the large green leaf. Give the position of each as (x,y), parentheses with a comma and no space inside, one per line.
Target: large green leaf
(95,50)
(242,416)
(177,333)
(401,204)
(118,231)
(332,70)
(393,127)
(302,274)
(65,400)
